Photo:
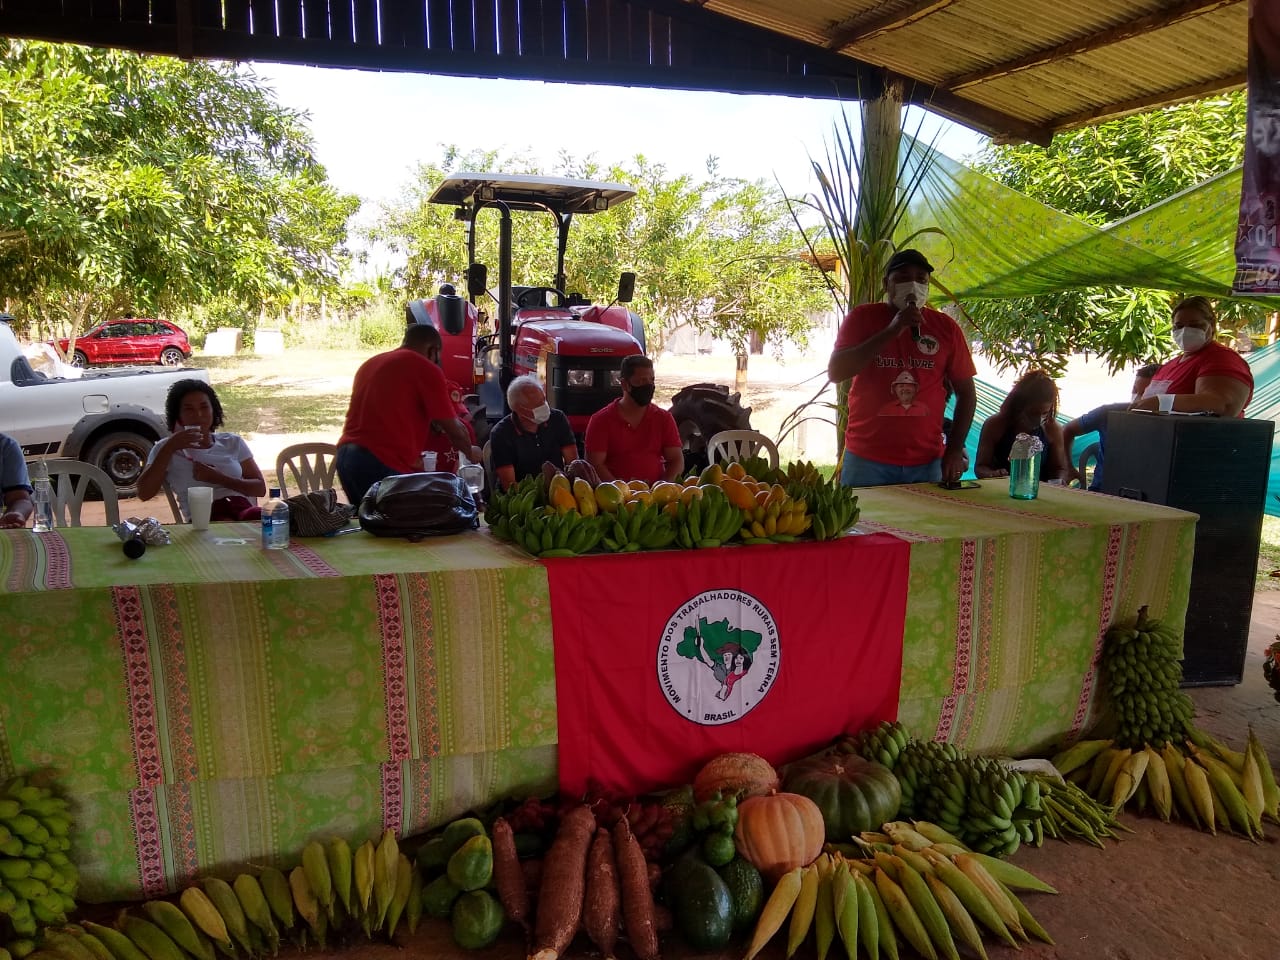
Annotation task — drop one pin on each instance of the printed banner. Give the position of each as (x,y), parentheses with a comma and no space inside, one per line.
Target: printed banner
(1257,243)
(664,660)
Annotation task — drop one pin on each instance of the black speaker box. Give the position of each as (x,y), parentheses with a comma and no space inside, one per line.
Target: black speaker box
(1215,467)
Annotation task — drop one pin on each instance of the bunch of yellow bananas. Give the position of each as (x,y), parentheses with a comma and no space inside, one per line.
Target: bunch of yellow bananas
(908,886)
(1202,781)
(37,879)
(781,520)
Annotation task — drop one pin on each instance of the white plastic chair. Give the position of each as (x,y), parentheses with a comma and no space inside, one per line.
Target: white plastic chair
(728,446)
(70,480)
(310,465)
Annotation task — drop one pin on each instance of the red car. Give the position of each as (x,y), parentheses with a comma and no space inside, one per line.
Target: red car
(131,340)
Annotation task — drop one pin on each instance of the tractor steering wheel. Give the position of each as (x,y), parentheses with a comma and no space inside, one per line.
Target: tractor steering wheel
(526,299)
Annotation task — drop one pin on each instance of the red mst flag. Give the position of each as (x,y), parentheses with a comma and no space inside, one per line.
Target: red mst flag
(664,660)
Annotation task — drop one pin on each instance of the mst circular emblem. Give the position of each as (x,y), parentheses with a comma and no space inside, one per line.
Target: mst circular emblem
(718,656)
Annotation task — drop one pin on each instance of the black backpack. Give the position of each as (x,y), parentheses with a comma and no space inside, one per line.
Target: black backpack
(417,505)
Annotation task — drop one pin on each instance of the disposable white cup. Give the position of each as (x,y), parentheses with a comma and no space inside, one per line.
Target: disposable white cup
(200,503)
(428,461)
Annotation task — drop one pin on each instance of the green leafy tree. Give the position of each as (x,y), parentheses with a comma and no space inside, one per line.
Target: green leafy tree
(148,183)
(1102,174)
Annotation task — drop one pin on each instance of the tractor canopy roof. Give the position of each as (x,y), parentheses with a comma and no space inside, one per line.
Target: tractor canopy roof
(530,192)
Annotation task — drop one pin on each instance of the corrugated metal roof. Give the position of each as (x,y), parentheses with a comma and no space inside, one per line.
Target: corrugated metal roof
(1017,69)
(1044,65)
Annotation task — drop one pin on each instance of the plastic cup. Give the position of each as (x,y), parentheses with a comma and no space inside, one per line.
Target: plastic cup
(200,503)
(472,475)
(428,461)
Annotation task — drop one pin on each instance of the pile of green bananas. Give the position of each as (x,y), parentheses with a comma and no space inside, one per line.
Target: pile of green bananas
(519,499)
(555,534)
(1203,781)
(834,507)
(332,889)
(1142,671)
(708,521)
(992,808)
(37,879)
(638,526)
(930,895)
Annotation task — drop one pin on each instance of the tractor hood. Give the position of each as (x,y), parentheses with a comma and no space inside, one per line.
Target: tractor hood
(576,338)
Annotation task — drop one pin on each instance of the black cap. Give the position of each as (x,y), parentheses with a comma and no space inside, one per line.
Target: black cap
(907,258)
(447,290)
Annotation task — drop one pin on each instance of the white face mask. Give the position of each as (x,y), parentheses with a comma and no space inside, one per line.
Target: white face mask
(1190,339)
(904,292)
(541,414)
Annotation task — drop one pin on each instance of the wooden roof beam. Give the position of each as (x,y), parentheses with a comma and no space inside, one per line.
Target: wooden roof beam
(1000,126)
(853,30)
(1118,33)
(1113,111)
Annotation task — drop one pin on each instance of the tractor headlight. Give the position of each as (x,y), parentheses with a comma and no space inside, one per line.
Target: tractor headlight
(580,378)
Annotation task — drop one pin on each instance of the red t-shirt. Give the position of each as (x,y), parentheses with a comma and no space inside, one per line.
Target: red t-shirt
(446,456)
(881,426)
(1180,374)
(394,398)
(632,453)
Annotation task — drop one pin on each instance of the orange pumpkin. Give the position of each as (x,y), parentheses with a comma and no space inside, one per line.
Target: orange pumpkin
(779,832)
(743,774)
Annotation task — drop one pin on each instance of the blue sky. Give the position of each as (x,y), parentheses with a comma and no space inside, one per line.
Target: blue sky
(372,128)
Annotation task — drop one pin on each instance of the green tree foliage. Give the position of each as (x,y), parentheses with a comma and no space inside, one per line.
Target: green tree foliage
(716,254)
(148,183)
(1102,174)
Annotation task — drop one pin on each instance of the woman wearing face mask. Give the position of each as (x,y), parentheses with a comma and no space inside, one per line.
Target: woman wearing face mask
(530,435)
(1031,408)
(891,348)
(1205,376)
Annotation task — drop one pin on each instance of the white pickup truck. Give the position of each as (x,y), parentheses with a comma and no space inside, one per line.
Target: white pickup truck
(108,418)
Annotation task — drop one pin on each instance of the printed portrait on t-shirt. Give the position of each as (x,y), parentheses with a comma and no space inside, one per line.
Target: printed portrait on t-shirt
(904,388)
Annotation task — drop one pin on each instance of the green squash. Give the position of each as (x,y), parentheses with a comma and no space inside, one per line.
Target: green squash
(853,794)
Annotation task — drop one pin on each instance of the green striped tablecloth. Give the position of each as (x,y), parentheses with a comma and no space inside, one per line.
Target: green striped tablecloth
(1009,600)
(213,703)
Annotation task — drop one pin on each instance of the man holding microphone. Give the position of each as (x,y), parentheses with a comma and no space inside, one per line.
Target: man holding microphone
(876,344)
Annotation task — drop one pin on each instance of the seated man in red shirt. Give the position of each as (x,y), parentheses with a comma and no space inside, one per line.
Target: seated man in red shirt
(631,439)
(396,399)
(1205,376)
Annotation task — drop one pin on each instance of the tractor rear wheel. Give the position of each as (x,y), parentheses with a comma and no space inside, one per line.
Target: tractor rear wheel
(701,410)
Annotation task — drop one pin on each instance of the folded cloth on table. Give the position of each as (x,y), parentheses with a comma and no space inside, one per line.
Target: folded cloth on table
(316,513)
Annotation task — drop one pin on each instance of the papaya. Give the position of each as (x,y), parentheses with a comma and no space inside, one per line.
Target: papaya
(459,832)
(690,493)
(438,897)
(432,857)
(638,486)
(665,492)
(608,497)
(712,474)
(585,497)
(738,493)
(471,867)
(735,471)
(477,920)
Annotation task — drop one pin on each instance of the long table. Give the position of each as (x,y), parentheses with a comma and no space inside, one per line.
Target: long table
(213,704)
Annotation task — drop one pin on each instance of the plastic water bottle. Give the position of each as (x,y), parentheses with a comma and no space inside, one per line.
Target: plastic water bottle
(42,521)
(275,522)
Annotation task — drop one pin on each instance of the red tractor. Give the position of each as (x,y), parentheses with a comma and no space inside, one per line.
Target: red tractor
(573,346)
